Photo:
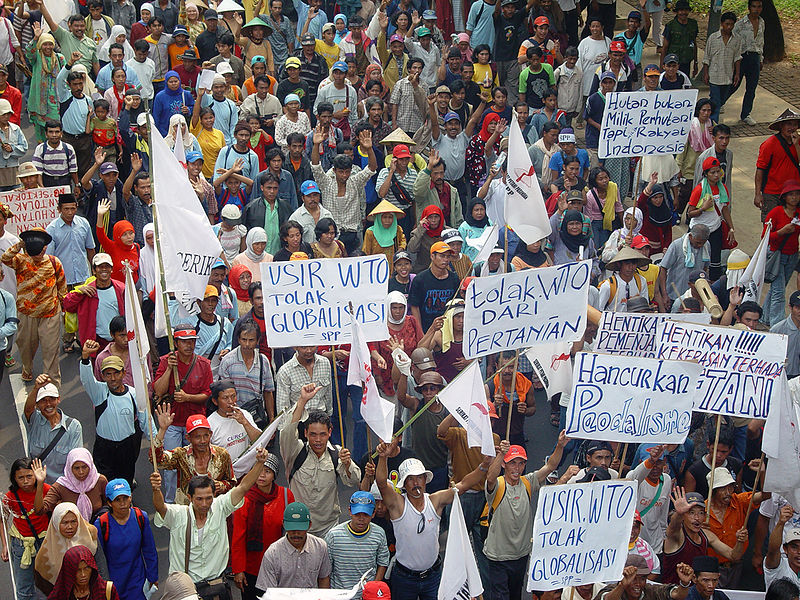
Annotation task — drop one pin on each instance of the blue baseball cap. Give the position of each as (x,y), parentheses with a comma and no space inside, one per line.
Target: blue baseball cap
(219,264)
(180,30)
(450,116)
(309,187)
(340,65)
(117,487)
(362,502)
(194,156)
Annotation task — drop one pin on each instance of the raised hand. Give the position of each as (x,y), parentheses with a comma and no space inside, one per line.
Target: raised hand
(90,348)
(308,391)
(501,127)
(155,480)
(42,380)
(164,416)
(678,496)
(103,207)
(39,470)
(653,178)
(434,159)
(365,138)
(99,156)
(75,57)
(319,135)
(136,161)
(563,440)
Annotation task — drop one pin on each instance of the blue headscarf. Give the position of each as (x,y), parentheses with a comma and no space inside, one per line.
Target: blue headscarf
(338,37)
(168,91)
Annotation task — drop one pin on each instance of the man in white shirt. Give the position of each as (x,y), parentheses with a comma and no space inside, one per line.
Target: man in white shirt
(144,68)
(232,428)
(786,564)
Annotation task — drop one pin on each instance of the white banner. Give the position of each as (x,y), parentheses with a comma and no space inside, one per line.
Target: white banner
(526,308)
(138,343)
(581,533)
(619,400)
(740,367)
(634,334)
(32,208)
(246,461)
(781,442)
(465,399)
(753,276)
(646,123)
(188,244)
(460,576)
(306,301)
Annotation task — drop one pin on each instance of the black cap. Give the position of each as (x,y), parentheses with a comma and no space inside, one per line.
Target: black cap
(682,5)
(210,14)
(595,474)
(308,39)
(794,299)
(698,275)
(597,445)
(705,564)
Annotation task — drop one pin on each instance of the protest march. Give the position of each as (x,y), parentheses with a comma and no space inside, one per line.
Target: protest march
(411,299)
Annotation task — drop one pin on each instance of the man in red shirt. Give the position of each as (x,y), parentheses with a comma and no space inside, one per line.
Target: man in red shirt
(777,161)
(10,93)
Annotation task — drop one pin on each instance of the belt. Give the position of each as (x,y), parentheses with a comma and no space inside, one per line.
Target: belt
(420,574)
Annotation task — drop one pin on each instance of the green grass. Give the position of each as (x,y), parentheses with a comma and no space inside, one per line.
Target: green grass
(786,8)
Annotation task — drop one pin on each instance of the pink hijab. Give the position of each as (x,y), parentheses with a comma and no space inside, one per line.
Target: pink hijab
(69,481)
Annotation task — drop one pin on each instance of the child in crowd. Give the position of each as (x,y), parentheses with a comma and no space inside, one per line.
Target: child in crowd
(103,129)
(401,278)
(122,247)
(536,78)
(229,189)
(593,114)
(230,231)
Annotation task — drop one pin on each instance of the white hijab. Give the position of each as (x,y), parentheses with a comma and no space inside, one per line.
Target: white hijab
(255,235)
(147,259)
(395,298)
(116,31)
(188,139)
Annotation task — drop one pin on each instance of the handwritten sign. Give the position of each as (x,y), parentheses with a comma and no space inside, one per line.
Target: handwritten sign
(740,367)
(620,400)
(581,533)
(526,308)
(32,208)
(306,301)
(634,334)
(646,123)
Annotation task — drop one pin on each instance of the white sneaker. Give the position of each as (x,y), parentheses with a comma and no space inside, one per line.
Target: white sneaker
(749,120)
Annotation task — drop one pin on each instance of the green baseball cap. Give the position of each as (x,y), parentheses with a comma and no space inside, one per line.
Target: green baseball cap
(296,517)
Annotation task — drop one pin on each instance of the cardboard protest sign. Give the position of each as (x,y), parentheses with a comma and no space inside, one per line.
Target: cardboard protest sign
(32,208)
(581,533)
(620,400)
(306,301)
(740,367)
(526,308)
(634,334)
(646,123)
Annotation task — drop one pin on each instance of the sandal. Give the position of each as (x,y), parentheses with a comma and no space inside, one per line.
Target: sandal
(10,362)
(27,377)
(555,418)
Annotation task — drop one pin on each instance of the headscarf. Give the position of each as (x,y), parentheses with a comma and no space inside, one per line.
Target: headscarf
(255,235)
(89,88)
(186,135)
(396,298)
(337,37)
(178,586)
(146,6)
(166,90)
(430,210)
(659,215)
(44,38)
(385,236)
(233,282)
(116,31)
(69,481)
(66,578)
(147,259)
(370,68)
(637,214)
(484,132)
(700,138)
(534,259)
(573,242)
(55,545)
(472,221)
(50,66)
(455,306)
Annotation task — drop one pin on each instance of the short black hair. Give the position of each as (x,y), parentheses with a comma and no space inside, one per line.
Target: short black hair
(141,45)
(550,125)
(268,176)
(197,482)
(102,103)
(272,153)
(155,19)
(226,39)
(323,226)
(749,306)
(728,16)
(249,324)
(117,325)
(534,51)
(95,4)
(116,46)
(74,19)
(254,287)
(727,434)
(52,124)
(721,128)
(295,137)
(343,147)
(74,76)
(324,107)
(139,177)
(783,588)
(362,126)
(500,89)
(283,233)
(456,86)
(412,61)
(261,79)
(318,416)
(342,161)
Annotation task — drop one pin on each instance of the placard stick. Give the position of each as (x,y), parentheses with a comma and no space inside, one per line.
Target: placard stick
(678,294)
(616,452)
(755,487)
(511,407)
(338,401)
(713,467)
(622,459)
(8,542)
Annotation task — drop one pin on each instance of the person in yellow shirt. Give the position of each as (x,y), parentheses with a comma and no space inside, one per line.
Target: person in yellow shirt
(326,48)
(650,272)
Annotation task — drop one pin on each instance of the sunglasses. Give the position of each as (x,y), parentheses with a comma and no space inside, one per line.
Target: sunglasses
(367,501)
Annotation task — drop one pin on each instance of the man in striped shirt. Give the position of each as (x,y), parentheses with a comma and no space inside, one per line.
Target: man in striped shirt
(56,159)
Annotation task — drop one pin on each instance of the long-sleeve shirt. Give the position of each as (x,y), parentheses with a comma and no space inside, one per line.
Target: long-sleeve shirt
(8,317)
(431,58)
(751,42)
(314,483)
(41,434)
(103,81)
(116,422)
(654,519)
(720,58)
(789,328)
(145,73)
(40,283)
(347,97)
(220,468)
(348,210)
(292,376)
(226,115)
(19,146)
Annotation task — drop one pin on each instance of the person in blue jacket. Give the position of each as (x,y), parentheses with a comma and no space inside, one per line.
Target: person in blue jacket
(127,539)
(172,100)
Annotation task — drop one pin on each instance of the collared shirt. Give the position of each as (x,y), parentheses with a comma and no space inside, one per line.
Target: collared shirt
(220,467)
(788,328)
(268,106)
(292,376)
(250,383)
(69,245)
(720,58)
(284,565)
(117,421)
(348,211)
(280,38)
(103,81)
(73,110)
(69,44)
(406,182)
(40,434)
(41,285)
(409,117)
(750,42)
(306,220)
(314,483)
(452,151)
(55,162)
(169,14)
(208,556)
(431,59)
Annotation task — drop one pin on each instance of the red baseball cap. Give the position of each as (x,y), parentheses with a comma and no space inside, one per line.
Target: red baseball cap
(541,21)
(493,411)
(401,151)
(196,422)
(515,452)
(637,517)
(618,46)
(374,590)
(639,241)
(710,162)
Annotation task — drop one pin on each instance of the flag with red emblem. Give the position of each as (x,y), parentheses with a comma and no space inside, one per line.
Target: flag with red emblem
(465,398)
(138,344)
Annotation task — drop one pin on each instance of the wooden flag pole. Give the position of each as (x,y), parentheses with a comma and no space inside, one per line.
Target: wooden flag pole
(622,459)
(338,400)
(755,488)
(713,468)
(513,389)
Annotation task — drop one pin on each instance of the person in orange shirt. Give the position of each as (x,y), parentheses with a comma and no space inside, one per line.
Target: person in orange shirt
(179,45)
(258,66)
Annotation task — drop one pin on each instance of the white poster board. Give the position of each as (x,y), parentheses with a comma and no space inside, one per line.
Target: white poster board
(32,208)
(581,533)
(740,367)
(526,308)
(617,399)
(646,123)
(306,301)
(634,334)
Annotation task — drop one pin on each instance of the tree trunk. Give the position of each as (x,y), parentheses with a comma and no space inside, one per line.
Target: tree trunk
(775,50)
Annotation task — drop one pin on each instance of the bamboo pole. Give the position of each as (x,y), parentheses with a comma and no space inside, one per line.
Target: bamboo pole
(511,396)
(338,400)
(755,489)
(713,468)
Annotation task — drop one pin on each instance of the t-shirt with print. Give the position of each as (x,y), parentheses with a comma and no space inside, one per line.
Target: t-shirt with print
(509,34)
(431,294)
(229,433)
(535,84)
(300,88)
(509,536)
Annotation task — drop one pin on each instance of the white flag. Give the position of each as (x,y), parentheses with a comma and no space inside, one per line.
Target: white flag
(552,365)
(246,461)
(179,151)
(753,276)
(460,576)
(781,441)
(377,412)
(138,344)
(465,399)
(485,243)
(525,211)
(311,594)
(158,298)
(188,244)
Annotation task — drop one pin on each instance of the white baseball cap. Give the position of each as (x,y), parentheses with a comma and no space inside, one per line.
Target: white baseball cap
(101,258)
(47,391)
